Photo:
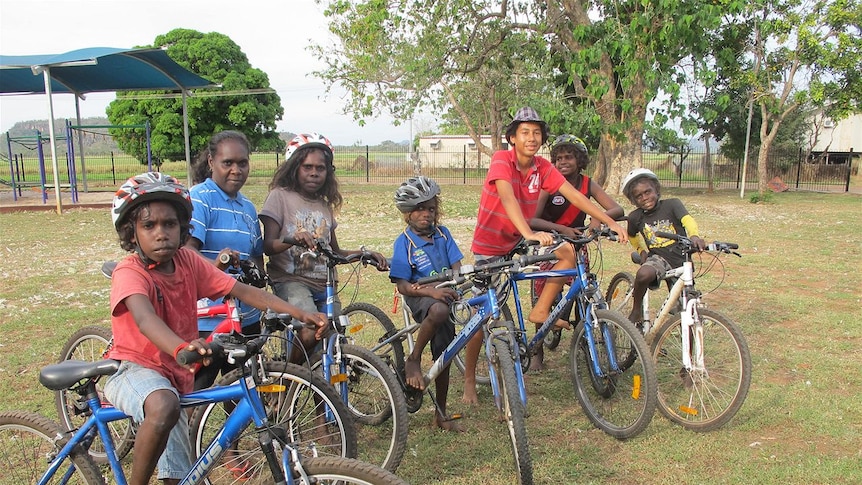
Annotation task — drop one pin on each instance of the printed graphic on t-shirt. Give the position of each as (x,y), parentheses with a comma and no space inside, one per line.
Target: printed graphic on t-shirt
(533,185)
(558,200)
(663,225)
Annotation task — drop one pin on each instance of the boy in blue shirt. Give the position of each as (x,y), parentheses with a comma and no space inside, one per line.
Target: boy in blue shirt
(426,248)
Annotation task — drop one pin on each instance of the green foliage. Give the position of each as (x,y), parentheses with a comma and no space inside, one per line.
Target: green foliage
(757,198)
(216,57)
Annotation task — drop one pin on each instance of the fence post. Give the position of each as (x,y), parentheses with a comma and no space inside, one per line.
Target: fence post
(798,168)
(679,183)
(849,171)
(367,164)
(113,169)
(464,156)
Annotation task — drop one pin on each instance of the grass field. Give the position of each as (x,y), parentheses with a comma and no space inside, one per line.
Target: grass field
(796,293)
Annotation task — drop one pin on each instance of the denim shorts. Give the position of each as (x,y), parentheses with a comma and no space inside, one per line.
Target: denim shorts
(127,390)
(299,295)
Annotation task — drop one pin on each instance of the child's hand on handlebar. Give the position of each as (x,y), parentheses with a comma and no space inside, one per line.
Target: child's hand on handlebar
(382,262)
(200,346)
(622,235)
(544,238)
(698,243)
(227,257)
(317,319)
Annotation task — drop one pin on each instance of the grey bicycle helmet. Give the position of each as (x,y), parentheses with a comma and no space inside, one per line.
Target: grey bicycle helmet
(634,175)
(415,191)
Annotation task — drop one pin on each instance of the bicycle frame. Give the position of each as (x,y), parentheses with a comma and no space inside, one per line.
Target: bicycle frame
(584,292)
(249,408)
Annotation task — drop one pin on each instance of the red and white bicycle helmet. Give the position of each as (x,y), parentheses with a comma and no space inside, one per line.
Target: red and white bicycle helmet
(415,191)
(307,140)
(148,187)
(634,175)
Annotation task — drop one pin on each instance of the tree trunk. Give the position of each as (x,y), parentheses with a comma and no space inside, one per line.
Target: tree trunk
(617,158)
(710,170)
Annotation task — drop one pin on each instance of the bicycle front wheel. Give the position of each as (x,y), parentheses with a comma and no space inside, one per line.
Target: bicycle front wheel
(26,439)
(514,411)
(344,471)
(482,374)
(91,344)
(619,292)
(302,410)
(702,399)
(376,401)
(620,401)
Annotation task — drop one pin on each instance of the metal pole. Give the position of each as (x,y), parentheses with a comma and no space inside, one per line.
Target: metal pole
(747,143)
(46,73)
(81,143)
(186,140)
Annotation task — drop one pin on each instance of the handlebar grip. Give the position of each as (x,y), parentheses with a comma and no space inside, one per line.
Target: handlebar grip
(224,258)
(531,259)
(188,357)
(668,235)
(445,275)
(290,240)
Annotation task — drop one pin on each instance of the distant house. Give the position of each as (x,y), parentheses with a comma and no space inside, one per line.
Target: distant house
(838,141)
(457,151)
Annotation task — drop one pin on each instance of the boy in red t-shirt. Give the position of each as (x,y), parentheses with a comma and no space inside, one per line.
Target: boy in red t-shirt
(154,295)
(511,190)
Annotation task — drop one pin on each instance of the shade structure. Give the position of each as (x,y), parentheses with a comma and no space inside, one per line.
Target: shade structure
(96,69)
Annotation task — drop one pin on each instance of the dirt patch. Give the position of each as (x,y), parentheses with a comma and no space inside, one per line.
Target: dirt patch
(31,201)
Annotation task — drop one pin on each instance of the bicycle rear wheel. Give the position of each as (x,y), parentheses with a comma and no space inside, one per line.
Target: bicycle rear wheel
(344,471)
(303,411)
(706,399)
(90,344)
(376,401)
(26,439)
(620,402)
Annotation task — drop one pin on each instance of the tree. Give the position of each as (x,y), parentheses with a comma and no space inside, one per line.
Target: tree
(803,52)
(613,58)
(215,57)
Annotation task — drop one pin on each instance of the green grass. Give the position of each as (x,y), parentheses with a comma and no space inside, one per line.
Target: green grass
(796,293)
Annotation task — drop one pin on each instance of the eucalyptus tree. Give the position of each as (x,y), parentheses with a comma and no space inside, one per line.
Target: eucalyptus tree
(615,56)
(244,102)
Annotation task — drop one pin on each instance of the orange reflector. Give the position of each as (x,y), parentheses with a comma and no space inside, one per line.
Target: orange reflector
(636,386)
(688,410)
(336,378)
(272,388)
(355,328)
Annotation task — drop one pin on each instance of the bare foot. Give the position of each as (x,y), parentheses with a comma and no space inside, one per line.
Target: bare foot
(537,362)
(449,424)
(470,396)
(413,374)
(537,316)
(562,324)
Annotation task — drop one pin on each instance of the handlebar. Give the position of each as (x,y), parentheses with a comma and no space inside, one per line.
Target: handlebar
(320,248)
(589,236)
(457,278)
(718,246)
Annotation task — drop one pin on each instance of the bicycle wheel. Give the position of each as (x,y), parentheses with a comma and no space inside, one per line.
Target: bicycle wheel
(482,374)
(370,325)
(26,439)
(619,402)
(702,400)
(344,471)
(90,344)
(303,411)
(375,399)
(514,411)
(619,292)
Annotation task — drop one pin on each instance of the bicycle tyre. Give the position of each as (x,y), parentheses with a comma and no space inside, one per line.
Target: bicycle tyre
(514,411)
(619,292)
(308,414)
(707,400)
(376,402)
(620,403)
(92,343)
(482,374)
(345,471)
(26,439)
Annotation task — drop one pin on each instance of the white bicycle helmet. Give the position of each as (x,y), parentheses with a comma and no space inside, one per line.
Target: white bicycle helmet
(307,140)
(634,175)
(148,187)
(415,191)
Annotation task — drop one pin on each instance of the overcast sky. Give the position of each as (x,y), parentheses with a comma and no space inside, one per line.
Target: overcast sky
(272,33)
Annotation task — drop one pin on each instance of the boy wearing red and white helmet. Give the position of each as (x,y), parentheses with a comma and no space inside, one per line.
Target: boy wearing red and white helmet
(154,295)
(658,255)
(300,210)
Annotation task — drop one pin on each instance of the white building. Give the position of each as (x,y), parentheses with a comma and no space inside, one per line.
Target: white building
(457,151)
(837,140)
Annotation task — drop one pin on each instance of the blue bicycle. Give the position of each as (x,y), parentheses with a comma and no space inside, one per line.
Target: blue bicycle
(612,370)
(502,347)
(35,450)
